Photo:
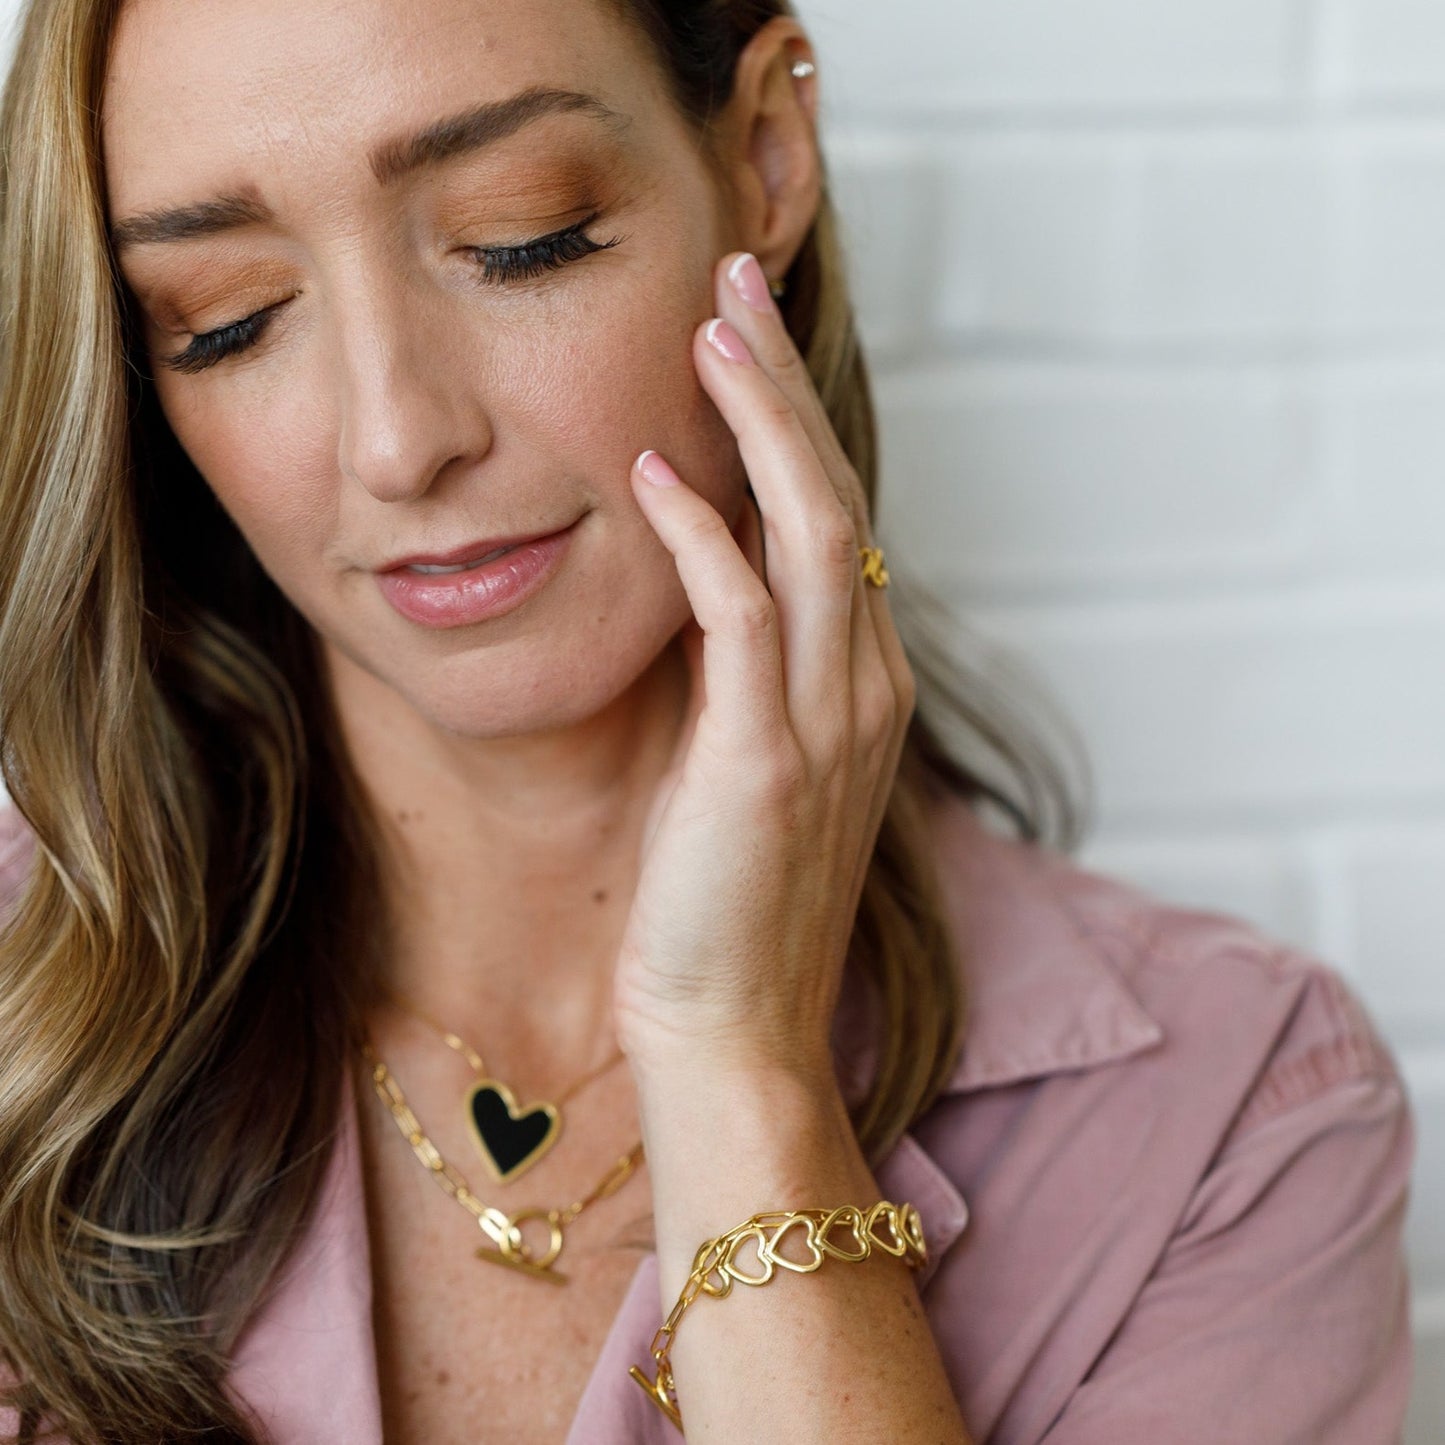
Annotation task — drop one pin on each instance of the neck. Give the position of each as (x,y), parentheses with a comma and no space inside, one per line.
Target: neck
(509,863)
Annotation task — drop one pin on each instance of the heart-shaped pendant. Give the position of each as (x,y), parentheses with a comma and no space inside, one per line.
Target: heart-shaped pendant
(510,1139)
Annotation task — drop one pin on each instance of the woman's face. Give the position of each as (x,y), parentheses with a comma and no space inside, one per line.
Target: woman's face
(395,391)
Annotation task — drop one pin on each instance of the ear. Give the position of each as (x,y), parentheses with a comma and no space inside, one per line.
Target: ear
(769,131)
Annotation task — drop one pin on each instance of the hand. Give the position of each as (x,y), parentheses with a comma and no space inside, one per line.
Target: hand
(759,840)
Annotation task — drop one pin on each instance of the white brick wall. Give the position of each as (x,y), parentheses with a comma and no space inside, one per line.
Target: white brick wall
(1156,299)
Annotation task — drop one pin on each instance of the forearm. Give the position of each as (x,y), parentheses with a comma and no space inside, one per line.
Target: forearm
(841,1354)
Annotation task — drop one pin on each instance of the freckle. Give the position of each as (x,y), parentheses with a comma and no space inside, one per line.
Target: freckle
(599,895)
(443,1378)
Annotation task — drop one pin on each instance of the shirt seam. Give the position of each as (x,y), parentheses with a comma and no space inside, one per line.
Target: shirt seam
(1325,1066)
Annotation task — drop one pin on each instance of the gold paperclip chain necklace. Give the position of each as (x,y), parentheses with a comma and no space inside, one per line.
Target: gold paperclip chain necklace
(508,1246)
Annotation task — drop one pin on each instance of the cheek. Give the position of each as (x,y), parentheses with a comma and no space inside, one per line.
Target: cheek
(620,378)
(258,462)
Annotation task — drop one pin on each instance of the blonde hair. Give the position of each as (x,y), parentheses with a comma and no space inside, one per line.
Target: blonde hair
(179,978)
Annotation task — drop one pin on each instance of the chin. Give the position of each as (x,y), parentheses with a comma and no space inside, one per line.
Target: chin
(523,686)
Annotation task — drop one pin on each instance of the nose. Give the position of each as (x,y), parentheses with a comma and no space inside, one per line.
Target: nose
(406,408)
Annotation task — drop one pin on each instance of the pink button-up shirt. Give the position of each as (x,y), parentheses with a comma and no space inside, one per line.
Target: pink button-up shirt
(1163,1192)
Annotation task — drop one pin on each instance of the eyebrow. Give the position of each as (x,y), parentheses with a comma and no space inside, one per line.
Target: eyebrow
(455,135)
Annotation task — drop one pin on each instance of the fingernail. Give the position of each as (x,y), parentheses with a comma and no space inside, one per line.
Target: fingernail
(657,471)
(726,340)
(749,282)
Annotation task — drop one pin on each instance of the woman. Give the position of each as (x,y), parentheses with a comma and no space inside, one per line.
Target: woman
(449,682)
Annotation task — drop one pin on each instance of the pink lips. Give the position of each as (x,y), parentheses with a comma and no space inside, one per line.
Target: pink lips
(457,599)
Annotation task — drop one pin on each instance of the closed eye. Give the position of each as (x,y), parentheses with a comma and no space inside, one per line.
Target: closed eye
(546,253)
(496,265)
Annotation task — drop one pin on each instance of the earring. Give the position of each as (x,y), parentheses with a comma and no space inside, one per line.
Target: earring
(777,288)
(802,69)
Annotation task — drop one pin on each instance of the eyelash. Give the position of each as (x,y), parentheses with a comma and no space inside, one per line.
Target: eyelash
(497,266)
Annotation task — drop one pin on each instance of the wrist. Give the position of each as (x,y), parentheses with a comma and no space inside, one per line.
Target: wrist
(710,1115)
(709,1066)
(723,1145)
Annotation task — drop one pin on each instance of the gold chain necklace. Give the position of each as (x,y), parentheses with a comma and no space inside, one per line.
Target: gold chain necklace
(509,1138)
(508,1246)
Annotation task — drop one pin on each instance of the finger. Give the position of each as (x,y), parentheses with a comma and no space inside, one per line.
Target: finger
(834,714)
(744,299)
(741,662)
(809,536)
(888,725)
(883,683)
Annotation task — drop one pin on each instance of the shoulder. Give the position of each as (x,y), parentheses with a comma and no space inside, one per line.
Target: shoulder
(1209,975)
(1060,961)
(1184,1147)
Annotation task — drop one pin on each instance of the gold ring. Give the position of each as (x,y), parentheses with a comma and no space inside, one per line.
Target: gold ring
(873,569)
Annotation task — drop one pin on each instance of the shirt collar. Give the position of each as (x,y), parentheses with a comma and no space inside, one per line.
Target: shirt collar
(1041,992)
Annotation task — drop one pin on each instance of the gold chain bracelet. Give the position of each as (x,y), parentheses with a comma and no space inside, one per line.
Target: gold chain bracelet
(715,1266)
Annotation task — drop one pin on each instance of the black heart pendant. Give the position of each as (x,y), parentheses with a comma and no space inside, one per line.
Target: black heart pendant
(510,1140)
